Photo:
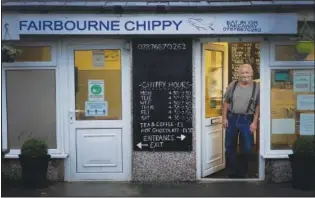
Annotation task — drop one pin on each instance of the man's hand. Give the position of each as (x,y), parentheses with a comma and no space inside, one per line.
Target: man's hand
(253,127)
(225,123)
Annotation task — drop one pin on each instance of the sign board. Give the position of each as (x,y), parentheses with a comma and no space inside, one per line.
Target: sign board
(155,24)
(243,53)
(96,108)
(98,58)
(96,90)
(162,95)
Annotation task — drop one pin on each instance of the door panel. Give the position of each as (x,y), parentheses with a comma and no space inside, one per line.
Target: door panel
(99,113)
(212,129)
(89,141)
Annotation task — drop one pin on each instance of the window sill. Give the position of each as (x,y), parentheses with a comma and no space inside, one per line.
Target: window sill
(274,155)
(53,156)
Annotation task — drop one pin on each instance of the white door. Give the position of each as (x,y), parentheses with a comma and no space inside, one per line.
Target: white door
(213,157)
(99,114)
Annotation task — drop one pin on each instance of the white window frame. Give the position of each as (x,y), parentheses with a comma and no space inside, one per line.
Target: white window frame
(273,64)
(53,64)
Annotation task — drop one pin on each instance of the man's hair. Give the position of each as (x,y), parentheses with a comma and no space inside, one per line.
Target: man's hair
(245,66)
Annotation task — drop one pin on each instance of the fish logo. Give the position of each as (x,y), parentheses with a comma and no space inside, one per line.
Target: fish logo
(200,25)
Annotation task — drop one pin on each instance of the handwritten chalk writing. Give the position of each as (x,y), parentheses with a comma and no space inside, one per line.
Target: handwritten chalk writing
(157,124)
(156,145)
(164,85)
(165,46)
(156,138)
(241,26)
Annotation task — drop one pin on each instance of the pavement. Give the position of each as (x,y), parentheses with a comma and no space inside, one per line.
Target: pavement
(194,189)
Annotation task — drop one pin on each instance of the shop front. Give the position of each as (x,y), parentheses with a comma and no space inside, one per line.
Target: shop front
(137,97)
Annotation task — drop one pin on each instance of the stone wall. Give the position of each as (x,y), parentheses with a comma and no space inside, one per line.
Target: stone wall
(278,170)
(11,169)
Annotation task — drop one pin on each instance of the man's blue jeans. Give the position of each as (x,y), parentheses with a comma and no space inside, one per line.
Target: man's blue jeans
(238,124)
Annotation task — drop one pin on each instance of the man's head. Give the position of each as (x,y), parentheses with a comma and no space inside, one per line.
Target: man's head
(245,73)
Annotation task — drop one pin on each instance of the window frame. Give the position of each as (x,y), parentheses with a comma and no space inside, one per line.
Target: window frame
(272,65)
(51,65)
(274,62)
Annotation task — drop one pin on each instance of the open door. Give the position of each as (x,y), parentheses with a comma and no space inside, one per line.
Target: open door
(213,157)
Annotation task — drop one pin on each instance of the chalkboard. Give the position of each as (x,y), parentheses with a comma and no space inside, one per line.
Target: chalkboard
(162,94)
(243,53)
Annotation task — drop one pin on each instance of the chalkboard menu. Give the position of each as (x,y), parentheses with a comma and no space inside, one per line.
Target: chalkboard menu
(243,53)
(162,95)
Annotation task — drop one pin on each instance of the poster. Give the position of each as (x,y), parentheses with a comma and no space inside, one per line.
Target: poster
(98,58)
(96,108)
(302,81)
(283,126)
(305,102)
(312,81)
(307,124)
(96,90)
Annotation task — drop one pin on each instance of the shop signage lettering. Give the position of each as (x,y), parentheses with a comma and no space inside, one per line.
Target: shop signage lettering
(242,26)
(98,25)
(152,24)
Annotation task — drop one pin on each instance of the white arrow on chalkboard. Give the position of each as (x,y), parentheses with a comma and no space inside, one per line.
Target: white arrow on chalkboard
(140,145)
(181,137)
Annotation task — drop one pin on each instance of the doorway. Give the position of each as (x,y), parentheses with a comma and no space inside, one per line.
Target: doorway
(99,112)
(219,68)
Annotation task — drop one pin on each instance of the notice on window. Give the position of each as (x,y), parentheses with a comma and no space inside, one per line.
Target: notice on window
(96,90)
(283,126)
(312,81)
(302,81)
(305,102)
(98,58)
(96,108)
(307,124)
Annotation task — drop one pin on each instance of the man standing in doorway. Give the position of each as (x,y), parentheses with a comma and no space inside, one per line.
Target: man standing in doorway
(240,116)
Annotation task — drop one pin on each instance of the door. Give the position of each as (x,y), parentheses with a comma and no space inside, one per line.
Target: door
(213,158)
(99,114)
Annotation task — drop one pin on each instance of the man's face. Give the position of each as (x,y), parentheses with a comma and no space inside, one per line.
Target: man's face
(245,74)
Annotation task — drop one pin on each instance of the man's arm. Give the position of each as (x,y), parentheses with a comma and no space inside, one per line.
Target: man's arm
(225,109)
(226,102)
(256,115)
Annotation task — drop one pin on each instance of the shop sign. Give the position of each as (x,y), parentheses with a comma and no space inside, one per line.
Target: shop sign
(148,24)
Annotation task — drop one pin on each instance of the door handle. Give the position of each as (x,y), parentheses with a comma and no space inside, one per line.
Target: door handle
(71,115)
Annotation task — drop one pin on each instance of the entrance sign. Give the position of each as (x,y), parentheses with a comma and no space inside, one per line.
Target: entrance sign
(167,24)
(96,90)
(162,95)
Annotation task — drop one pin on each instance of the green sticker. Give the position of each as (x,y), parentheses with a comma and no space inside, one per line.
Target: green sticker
(96,89)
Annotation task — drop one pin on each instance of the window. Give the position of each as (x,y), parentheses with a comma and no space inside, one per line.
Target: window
(30,98)
(301,51)
(98,70)
(33,54)
(31,106)
(214,83)
(292,106)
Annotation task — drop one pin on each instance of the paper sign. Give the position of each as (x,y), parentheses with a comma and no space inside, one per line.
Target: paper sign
(301,81)
(307,124)
(312,81)
(96,90)
(282,76)
(305,102)
(98,58)
(96,108)
(283,126)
